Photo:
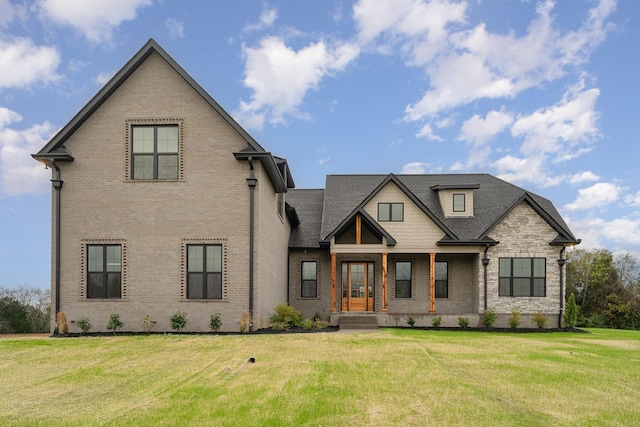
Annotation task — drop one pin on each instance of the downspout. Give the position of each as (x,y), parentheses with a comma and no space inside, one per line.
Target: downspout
(57,185)
(251,182)
(485,263)
(561,262)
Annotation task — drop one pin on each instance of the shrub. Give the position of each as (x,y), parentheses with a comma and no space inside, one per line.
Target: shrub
(84,324)
(436,321)
(488,318)
(306,324)
(114,324)
(215,322)
(320,324)
(463,322)
(178,321)
(539,319)
(411,321)
(285,316)
(245,322)
(570,317)
(147,323)
(514,320)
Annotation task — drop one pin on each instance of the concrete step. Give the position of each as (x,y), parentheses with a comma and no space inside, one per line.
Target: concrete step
(358,322)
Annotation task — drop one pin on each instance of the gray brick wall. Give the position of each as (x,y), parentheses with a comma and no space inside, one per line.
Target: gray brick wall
(209,204)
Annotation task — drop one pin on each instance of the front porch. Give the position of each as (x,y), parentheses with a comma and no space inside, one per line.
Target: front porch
(350,320)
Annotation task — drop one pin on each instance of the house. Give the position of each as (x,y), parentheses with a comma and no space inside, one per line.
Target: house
(162,203)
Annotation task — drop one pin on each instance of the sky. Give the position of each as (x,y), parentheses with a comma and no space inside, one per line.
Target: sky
(542,94)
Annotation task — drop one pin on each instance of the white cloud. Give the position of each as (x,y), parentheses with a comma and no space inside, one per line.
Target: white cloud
(478,132)
(9,12)
(518,169)
(103,77)
(280,77)
(477,64)
(175,28)
(633,199)
(559,128)
(601,233)
(579,178)
(95,19)
(267,19)
(19,173)
(420,28)
(598,195)
(427,132)
(415,168)
(23,64)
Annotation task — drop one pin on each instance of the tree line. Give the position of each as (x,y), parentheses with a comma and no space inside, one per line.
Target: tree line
(24,310)
(606,288)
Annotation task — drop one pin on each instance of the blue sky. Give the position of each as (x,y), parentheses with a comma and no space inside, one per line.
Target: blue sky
(542,94)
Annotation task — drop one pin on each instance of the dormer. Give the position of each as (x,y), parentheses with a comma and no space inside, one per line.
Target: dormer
(456,200)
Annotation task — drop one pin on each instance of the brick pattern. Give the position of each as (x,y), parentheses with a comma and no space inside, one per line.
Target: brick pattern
(155,218)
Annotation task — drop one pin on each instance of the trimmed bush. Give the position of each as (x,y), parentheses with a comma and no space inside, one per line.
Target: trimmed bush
(178,321)
(411,321)
(514,320)
(570,316)
(488,318)
(114,324)
(285,317)
(84,324)
(539,319)
(215,322)
(463,322)
(436,321)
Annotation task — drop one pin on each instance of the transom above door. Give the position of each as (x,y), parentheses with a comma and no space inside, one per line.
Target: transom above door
(358,284)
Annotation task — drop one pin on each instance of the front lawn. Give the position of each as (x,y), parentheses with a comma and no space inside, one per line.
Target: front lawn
(387,377)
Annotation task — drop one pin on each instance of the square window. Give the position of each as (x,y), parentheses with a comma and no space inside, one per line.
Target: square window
(390,212)
(154,152)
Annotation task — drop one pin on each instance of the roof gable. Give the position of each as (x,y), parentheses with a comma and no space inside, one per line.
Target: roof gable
(118,79)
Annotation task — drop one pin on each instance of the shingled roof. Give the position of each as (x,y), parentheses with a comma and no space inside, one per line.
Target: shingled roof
(346,194)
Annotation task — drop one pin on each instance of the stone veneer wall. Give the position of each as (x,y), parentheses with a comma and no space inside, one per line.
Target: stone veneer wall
(523,233)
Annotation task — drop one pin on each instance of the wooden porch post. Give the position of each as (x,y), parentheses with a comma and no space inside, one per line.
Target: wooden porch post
(358,229)
(432,282)
(384,281)
(333,282)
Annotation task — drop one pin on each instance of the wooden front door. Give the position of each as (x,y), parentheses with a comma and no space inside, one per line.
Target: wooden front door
(357,286)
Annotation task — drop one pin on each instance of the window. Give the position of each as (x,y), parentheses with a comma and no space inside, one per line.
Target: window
(391,212)
(204,271)
(104,271)
(442,279)
(459,203)
(309,271)
(522,277)
(154,152)
(403,279)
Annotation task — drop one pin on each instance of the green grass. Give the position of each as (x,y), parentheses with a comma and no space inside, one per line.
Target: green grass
(388,377)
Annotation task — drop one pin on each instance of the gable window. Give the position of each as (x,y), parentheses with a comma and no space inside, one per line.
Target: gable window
(309,272)
(104,271)
(391,212)
(154,152)
(522,277)
(403,279)
(204,271)
(459,202)
(442,279)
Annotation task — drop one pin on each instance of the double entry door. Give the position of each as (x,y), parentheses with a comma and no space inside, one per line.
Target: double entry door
(358,280)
